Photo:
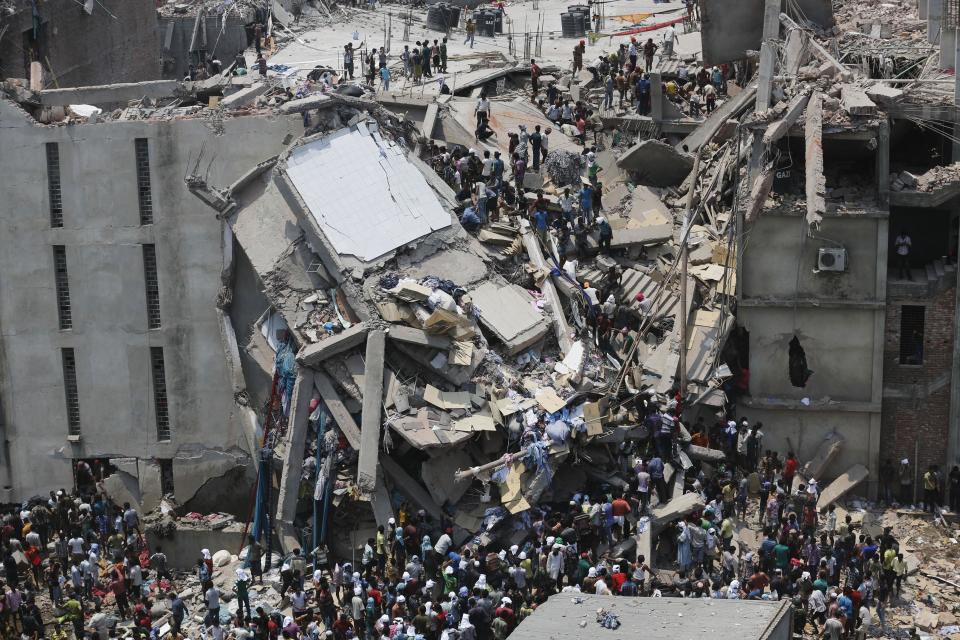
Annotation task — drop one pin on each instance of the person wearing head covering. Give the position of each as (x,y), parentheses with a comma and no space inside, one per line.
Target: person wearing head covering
(684,551)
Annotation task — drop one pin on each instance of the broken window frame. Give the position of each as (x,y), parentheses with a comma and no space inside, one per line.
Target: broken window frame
(158,374)
(908,353)
(68,360)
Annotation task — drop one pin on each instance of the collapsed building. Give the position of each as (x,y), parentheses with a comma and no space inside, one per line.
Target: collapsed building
(366,352)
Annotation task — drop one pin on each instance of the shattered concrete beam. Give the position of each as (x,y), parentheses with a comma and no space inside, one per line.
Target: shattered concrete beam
(768,63)
(782,126)
(371,416)
(419,337)
(337,409)
(112,93)
(296,441)
(759,193)
(675,509)
(842,485)
(705,454)
(816,182)
(313,354)
(244,96)
(560,327)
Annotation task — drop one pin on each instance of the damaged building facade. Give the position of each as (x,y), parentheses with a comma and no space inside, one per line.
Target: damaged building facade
(76,44)
(113,344)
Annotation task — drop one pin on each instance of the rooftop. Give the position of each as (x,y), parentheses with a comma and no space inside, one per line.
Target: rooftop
(562,616)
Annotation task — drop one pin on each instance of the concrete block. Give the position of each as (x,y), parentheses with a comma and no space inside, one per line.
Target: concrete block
(419,337)
(656,163)
(705,454)
(245,96)
(884,93)
(507,312)
(842,485)
(312,354)
(856,102)
(637,236)
(675,509)
(371,416)
(305,104)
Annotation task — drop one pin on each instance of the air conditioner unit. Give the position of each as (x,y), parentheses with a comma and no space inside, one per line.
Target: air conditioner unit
(832,259)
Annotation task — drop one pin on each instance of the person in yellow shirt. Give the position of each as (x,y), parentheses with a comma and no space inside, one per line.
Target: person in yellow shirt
(931,489)
(899,571)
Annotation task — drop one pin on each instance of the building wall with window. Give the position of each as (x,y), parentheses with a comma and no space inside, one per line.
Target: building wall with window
(134,342)
(917,363)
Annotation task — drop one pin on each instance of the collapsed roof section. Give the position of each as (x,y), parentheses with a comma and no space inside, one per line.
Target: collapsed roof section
(365,196)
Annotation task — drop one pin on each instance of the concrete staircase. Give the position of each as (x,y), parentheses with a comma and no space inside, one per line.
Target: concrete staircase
(929,280)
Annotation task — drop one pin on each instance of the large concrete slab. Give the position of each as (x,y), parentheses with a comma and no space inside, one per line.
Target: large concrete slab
(730,29)
(842,485)
(371,417)
(675,509)
(313,354)
(729,109)
(656,163)
(508,313)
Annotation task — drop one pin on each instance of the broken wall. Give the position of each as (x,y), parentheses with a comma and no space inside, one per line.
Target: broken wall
(839,320)
(730,29)
(118,42)
(916,398)
(104,242)
(224,39)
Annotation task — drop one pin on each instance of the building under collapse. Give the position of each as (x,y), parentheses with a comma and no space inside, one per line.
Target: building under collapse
(293,294)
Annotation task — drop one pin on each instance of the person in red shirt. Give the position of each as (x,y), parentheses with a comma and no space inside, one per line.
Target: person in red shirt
(789,471)
(617,577)
(621,508)
(506,612)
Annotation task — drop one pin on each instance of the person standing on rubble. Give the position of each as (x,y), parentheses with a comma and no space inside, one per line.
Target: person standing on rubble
(578,50)
(649,49)
(385,78)
(443,55)
(471,30)
(534,80)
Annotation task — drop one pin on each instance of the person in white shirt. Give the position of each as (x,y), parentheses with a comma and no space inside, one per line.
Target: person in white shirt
(903,244)
(669,37)
(566,204)
(591,294)
(482,110)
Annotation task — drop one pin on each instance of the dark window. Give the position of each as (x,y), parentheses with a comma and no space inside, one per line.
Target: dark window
(160,392)
(63,286)
(70,388)
(911,334)
(143,180)
(166,476)
(152,285)
(53,185)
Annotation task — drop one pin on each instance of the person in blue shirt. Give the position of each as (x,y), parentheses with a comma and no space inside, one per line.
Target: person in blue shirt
(643,95)
(470,220)
(606,233)
(586,203)
(540,222)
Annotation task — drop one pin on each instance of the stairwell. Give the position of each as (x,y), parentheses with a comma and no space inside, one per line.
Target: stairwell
(927,281)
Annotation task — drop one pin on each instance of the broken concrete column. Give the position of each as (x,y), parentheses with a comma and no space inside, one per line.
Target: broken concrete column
(934,13)
(816,182)
(855,101)
(296,441)
(656,96)
(782,126)
(948,45)
(371,418)
(922,10)
(560,327)
(337,408)
(765,82)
